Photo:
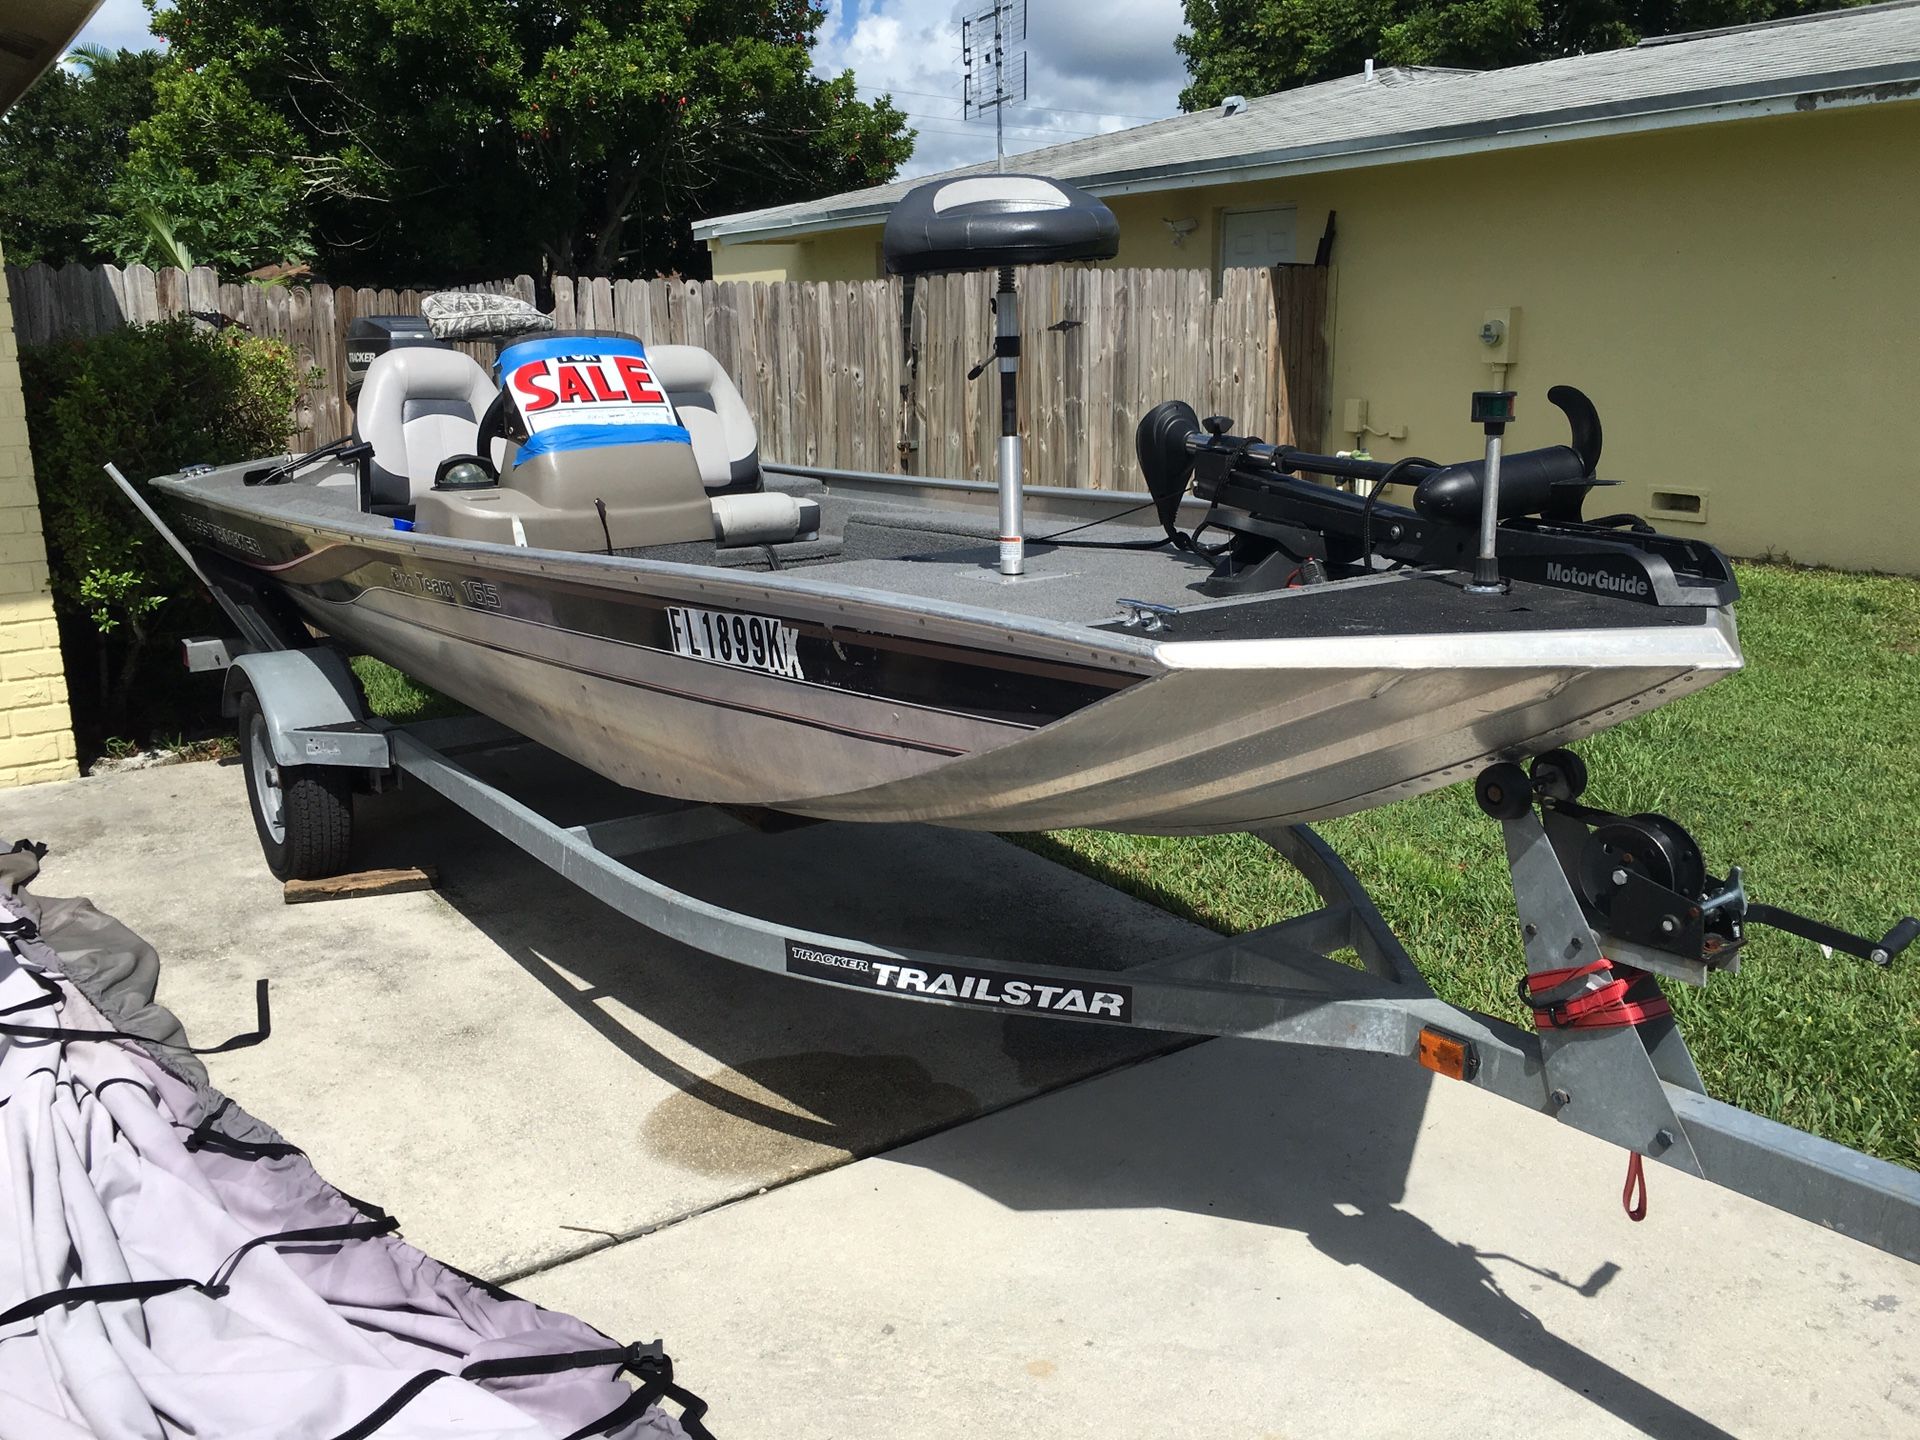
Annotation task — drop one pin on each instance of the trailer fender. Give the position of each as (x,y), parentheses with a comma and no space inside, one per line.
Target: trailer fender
(311,702)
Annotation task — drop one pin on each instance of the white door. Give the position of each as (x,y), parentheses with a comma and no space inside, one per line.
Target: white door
(1256,237)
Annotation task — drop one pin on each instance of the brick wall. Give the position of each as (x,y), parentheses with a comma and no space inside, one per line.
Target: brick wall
(36,732)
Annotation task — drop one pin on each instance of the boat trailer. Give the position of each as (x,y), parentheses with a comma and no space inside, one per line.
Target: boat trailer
(1605,903)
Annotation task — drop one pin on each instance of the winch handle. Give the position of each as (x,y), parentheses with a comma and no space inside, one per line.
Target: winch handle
(1897,939)
(1880,952)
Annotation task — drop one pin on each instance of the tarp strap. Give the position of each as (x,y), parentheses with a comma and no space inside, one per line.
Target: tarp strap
(93,1294)
(263,1029)
(655,1371)
(14,931)
(204,1137)
(646,1360)
(51,994)
(392,1405)
(213,1288)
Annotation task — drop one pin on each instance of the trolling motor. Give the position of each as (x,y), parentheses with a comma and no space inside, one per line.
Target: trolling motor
(995,222)
(1283,528)
(1642,882)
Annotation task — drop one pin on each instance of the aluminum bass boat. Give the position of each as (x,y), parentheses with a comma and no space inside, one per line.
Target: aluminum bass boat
(586,546)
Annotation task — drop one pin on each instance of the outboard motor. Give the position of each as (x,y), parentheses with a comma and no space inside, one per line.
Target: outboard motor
(371,336)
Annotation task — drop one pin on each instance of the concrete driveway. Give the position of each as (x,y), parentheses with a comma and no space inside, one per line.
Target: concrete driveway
(1060,1231)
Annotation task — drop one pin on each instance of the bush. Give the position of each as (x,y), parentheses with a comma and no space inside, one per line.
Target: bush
(149,398)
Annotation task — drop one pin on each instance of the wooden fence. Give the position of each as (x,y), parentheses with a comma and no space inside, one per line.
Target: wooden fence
(824,366)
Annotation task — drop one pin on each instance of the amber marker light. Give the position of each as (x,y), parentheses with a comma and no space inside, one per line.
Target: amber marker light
(1447,1055)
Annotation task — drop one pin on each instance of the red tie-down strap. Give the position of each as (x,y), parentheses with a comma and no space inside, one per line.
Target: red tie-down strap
(1568,1000)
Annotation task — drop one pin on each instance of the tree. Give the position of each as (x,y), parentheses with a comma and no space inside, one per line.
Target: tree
(61,148)
(471,138)
(1255,47)
(207,176)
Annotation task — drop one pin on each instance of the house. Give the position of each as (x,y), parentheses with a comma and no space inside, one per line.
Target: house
(36,732)
(1710,233)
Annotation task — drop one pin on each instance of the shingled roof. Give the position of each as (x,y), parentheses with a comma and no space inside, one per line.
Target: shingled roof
(1866,55)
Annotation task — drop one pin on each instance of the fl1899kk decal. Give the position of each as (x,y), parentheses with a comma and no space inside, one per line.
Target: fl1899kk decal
(753,642)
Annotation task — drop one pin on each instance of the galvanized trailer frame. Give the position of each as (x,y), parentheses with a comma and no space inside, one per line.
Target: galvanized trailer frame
(1633,1085)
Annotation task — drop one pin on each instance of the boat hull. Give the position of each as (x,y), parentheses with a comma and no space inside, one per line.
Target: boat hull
(911,710)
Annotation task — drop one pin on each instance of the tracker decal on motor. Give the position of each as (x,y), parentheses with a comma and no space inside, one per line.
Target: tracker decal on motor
(960,984)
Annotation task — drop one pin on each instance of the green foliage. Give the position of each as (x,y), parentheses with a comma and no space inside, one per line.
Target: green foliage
(207,180)
(151,399)
(1255,47)
(61,147)
(464,138)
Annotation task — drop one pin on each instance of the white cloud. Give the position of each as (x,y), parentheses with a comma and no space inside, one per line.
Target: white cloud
(120,25)
(1091,68)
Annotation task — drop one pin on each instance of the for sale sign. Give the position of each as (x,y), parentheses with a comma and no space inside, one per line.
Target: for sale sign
(588,387)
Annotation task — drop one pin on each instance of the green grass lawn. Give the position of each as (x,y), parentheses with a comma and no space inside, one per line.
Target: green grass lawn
(398,697)
(1804,768)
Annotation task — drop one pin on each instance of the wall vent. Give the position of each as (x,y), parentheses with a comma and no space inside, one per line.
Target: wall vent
(1685,505)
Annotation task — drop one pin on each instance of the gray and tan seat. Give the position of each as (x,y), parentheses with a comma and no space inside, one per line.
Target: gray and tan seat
(726,447)
(418,407)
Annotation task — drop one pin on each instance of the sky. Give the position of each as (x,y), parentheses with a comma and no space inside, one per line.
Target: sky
(119,25)
(1092,66)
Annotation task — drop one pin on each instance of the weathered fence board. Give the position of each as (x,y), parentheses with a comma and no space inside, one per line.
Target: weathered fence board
(825,366)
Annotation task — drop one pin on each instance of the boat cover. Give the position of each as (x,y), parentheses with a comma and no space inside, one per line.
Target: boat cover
(173,1266)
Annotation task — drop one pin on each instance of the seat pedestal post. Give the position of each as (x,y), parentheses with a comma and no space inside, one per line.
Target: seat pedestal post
(1006,348)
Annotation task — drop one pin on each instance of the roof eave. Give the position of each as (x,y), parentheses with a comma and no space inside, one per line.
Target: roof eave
(1867,86)
(37,41)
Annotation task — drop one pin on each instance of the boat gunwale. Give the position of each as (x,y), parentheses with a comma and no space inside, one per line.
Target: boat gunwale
(1087,640)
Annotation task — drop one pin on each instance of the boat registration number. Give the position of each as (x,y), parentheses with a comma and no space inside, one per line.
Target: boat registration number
(753,642)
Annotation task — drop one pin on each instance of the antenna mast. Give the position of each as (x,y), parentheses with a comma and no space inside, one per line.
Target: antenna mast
(993,63)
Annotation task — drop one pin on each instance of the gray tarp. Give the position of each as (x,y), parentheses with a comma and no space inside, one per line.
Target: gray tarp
(108,1174)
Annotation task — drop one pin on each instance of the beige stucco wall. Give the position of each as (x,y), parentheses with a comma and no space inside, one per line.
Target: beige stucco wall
(36,732)
(1742,300)
(831,255)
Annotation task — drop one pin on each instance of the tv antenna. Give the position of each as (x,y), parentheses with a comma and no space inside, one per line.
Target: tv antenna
(993,64)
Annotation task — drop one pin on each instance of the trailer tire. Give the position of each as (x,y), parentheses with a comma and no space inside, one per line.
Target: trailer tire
(302,813)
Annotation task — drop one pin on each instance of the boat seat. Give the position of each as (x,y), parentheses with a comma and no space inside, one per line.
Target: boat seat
(418,406)
(725,444)
(766,517)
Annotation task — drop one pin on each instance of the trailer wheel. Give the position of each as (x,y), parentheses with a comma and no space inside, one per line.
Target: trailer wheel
(303,813)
